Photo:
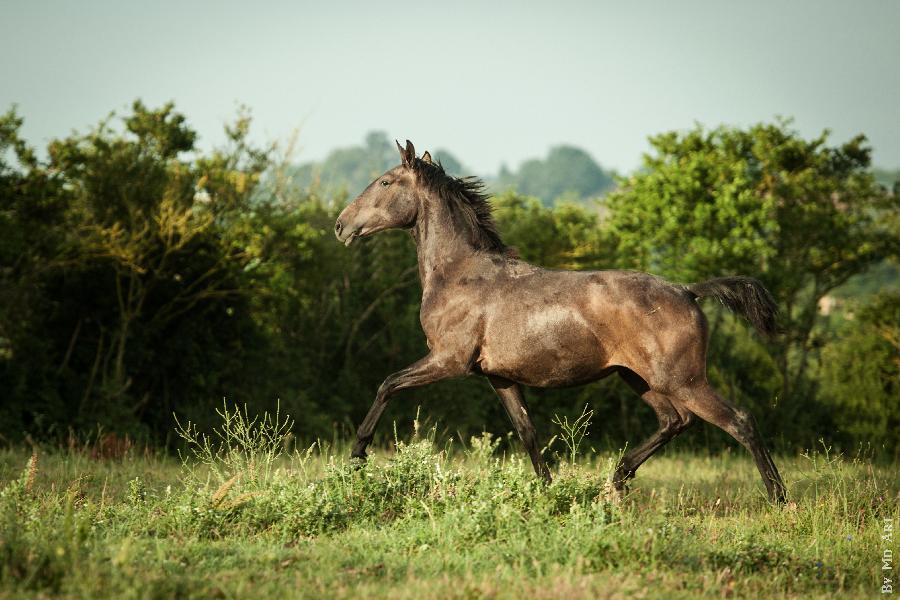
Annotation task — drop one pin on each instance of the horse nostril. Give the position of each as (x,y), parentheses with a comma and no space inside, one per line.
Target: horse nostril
(338,227)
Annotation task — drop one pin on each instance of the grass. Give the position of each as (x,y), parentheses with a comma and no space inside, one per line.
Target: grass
(245,519)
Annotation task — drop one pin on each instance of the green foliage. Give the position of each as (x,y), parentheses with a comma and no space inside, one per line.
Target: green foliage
(33,554)
(883,277)
(801,216)
(140,277)
(32,210)
(861,373)
(563,237)
(129,262)
(712,202)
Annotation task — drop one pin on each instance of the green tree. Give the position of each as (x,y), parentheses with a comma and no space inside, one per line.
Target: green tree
(32,225)
(129,272)
(802,216)
(860,375)
(563,237)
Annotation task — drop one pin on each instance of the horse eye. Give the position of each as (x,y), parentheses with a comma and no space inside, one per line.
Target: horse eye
(385,182)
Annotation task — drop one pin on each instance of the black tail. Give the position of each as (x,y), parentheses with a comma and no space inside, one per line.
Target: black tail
(742,295)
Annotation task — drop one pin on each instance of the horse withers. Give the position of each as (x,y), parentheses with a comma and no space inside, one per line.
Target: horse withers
(486,312)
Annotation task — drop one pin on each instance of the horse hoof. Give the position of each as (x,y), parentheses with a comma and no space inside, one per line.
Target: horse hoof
(614,491)
(619,482)
(613,495)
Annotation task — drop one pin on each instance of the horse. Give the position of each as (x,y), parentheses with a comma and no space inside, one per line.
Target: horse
(486,312)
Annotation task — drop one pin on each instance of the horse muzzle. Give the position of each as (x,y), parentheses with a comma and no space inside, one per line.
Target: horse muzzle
(344,234)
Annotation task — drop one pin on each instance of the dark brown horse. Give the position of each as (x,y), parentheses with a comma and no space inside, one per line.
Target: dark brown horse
(485,312)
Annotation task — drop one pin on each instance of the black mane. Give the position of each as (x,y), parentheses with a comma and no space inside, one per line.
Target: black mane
(467,199)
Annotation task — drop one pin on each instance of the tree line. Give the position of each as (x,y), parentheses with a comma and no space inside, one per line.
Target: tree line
(141,277)
(566,174)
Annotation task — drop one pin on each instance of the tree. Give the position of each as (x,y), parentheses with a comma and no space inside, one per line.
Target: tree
(347,171)
(566,171)
(860,375)
(450,163)
(138,249)
(32,224)
(563,237)
(800,215)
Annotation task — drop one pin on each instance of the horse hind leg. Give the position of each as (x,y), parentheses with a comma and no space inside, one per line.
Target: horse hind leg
(704,402)
(513,401)
(672,421)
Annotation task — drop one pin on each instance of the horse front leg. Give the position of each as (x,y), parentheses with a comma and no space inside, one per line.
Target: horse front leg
(422,372)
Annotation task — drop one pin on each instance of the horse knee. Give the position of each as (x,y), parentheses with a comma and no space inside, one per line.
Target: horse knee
(670,426)
(687,420)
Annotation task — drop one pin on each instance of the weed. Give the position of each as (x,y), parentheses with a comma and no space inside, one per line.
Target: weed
(240,446)
(573,433)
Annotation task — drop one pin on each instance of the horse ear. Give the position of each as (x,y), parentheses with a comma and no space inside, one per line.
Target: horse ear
(426,158)
(410,153)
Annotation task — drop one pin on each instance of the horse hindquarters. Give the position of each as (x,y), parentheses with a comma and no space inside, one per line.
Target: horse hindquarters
(667,353)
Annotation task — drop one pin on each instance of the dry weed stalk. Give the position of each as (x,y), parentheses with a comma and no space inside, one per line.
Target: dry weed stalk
(32,470)
(223,490)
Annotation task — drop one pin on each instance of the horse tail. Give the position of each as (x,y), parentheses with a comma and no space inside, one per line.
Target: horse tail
(743,295)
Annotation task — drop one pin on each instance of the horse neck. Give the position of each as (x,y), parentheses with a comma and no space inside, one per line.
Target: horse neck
(441,242)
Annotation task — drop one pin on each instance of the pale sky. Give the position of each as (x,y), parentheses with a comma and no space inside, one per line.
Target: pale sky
(492,82)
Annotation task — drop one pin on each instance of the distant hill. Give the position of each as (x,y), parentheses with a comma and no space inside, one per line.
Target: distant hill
(567,172)
(352,168)
(889,178)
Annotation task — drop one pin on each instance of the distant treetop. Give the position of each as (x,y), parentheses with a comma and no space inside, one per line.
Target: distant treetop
(351,169)
(566,172)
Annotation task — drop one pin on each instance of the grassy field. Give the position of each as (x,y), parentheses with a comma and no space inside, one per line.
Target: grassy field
(418,521)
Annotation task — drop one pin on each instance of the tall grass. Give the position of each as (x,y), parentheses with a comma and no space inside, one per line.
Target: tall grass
(247,515)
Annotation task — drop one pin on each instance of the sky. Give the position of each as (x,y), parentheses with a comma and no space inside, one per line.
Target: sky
(494,82)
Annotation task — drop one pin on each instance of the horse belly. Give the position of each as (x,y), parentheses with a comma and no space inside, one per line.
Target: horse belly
(552,347)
